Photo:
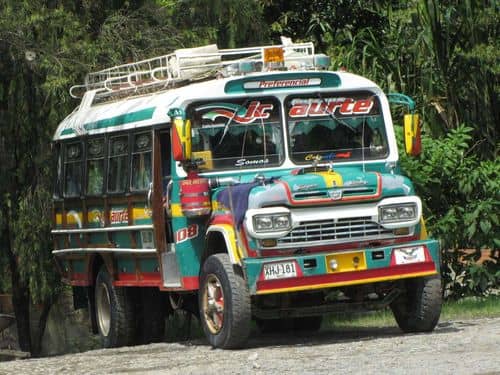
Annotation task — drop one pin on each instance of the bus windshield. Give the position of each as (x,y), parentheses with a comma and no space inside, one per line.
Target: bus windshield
(340,127)
(244,133)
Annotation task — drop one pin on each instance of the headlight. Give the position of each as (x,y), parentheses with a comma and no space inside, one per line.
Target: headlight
(395,213)
(276,222)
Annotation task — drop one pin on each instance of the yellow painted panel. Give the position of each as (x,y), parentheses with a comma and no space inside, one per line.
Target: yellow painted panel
(331,178)
(353,261)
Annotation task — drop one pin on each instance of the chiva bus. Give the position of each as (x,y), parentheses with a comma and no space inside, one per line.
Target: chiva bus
(262,188)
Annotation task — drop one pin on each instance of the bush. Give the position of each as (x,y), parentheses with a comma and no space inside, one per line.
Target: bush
(461,201)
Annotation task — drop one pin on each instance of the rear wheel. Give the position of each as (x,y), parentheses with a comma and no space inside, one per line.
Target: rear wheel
(419,307)
(224,303)
(114,312)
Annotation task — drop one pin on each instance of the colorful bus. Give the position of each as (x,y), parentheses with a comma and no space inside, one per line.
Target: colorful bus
(248,184)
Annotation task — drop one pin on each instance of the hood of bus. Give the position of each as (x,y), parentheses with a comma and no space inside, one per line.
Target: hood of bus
(322,186)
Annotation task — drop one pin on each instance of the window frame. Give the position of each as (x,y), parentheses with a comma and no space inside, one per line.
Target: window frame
(132,137)
(128,164)
(327,95)
(65,162)
(104,164)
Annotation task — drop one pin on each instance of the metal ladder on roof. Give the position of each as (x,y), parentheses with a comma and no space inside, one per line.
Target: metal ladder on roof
(185,65)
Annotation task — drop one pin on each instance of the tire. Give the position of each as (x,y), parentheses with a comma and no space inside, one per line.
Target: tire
(419,307)
(151,312)
(114,312)
(224,303)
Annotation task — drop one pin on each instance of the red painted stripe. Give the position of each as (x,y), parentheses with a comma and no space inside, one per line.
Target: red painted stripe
(78,283)
(251,252)
(222,219)
(191,282)
(79,279)
(142,279)
(345,276)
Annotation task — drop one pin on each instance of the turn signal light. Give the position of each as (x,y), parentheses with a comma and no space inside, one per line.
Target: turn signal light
(273,55)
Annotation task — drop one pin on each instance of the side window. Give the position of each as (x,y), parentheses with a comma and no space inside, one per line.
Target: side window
(73,169)
(141,161)
(118,164)
(95,166)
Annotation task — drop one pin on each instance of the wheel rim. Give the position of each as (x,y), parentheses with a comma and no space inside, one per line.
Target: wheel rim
(213,304)
(103,309)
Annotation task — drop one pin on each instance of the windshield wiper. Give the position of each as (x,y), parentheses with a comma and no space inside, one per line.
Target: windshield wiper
(226,126)
(354,131)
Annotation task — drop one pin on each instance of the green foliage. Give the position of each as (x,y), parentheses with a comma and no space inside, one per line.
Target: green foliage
(461,198)
(33,245)
(462,39)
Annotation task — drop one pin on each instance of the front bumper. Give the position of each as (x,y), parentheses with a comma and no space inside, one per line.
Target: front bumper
(313,270)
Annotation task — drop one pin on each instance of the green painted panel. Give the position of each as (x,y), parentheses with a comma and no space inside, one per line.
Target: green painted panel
(78,265)
(148,265)
(125,265)
(122,239)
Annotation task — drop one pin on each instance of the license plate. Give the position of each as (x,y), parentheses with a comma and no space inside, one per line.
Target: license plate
(409,255)
(281,270)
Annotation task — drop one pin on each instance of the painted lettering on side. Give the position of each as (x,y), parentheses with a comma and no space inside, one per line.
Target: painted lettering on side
(341,106)
(119,217)
(185,234)
(245,162)
(255,111)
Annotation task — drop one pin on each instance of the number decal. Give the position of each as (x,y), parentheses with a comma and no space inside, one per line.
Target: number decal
(185,234)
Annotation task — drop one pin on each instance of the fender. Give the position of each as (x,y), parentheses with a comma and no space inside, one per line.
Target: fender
(234,251)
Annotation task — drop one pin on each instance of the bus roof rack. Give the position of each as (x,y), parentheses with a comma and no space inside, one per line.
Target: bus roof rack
(191,64)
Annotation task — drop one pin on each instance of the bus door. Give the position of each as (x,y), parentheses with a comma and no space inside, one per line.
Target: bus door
(161,191)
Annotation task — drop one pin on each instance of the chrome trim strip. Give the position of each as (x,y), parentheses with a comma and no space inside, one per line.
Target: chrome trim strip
(103,250)
(98,230)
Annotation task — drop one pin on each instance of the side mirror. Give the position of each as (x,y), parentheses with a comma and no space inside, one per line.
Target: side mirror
(413,140)
(181,135)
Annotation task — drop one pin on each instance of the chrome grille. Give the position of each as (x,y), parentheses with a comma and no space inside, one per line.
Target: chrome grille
(331,231)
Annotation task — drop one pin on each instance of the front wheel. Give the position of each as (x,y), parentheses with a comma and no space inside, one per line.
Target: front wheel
(419,307)
(114,312)
(224,303)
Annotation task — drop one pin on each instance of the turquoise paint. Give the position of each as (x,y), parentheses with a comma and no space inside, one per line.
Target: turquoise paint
(98,238)
(328,80)
(144,114)
(128,264)
(189,251)
(78,265)
(125,265)
(122,239)
(148,265)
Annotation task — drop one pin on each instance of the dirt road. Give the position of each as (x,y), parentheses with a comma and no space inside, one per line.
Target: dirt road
(455,347)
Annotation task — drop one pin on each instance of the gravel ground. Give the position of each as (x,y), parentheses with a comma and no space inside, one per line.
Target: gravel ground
(455,347)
